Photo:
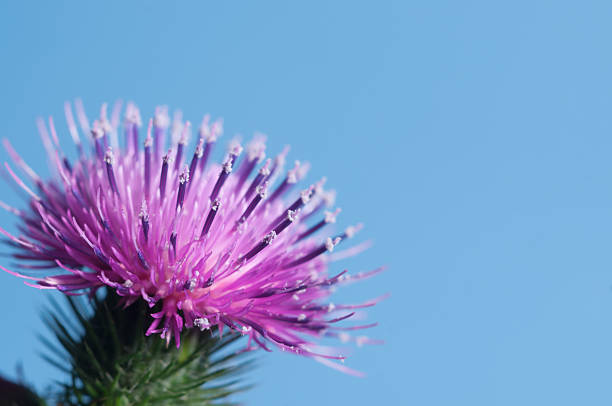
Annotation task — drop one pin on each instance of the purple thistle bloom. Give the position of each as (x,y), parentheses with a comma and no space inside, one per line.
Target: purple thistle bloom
(214,245)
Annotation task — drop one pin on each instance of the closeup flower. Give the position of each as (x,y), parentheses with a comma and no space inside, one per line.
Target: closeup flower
(234,245)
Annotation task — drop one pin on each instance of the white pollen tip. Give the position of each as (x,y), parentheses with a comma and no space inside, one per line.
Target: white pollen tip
(352,230)
(235,148)
(184,176)
(265,170)
(291,215)
(329,198)
(144,213)
(168,157)
(199,151)
(262,190)
(202,323)
(132,114)
(301,317)
(330,216)
(191,284)
(97,130)
(329,244)
(216,205)
(162,119)
(109,157)
(128,283)
(306,194)
(269,237)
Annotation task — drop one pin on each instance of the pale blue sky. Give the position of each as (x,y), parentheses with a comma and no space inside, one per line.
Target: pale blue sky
(472,138)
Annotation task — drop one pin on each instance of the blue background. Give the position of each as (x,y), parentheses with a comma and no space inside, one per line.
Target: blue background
(472,138)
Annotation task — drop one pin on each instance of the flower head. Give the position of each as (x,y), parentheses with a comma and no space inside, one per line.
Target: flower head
(235,245)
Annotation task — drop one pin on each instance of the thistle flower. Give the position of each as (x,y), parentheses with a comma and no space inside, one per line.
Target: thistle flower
(234,245)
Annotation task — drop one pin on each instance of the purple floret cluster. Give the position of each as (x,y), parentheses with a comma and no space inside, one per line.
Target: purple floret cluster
(236,244)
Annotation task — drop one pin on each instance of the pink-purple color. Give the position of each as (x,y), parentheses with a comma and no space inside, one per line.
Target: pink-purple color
(213,245)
